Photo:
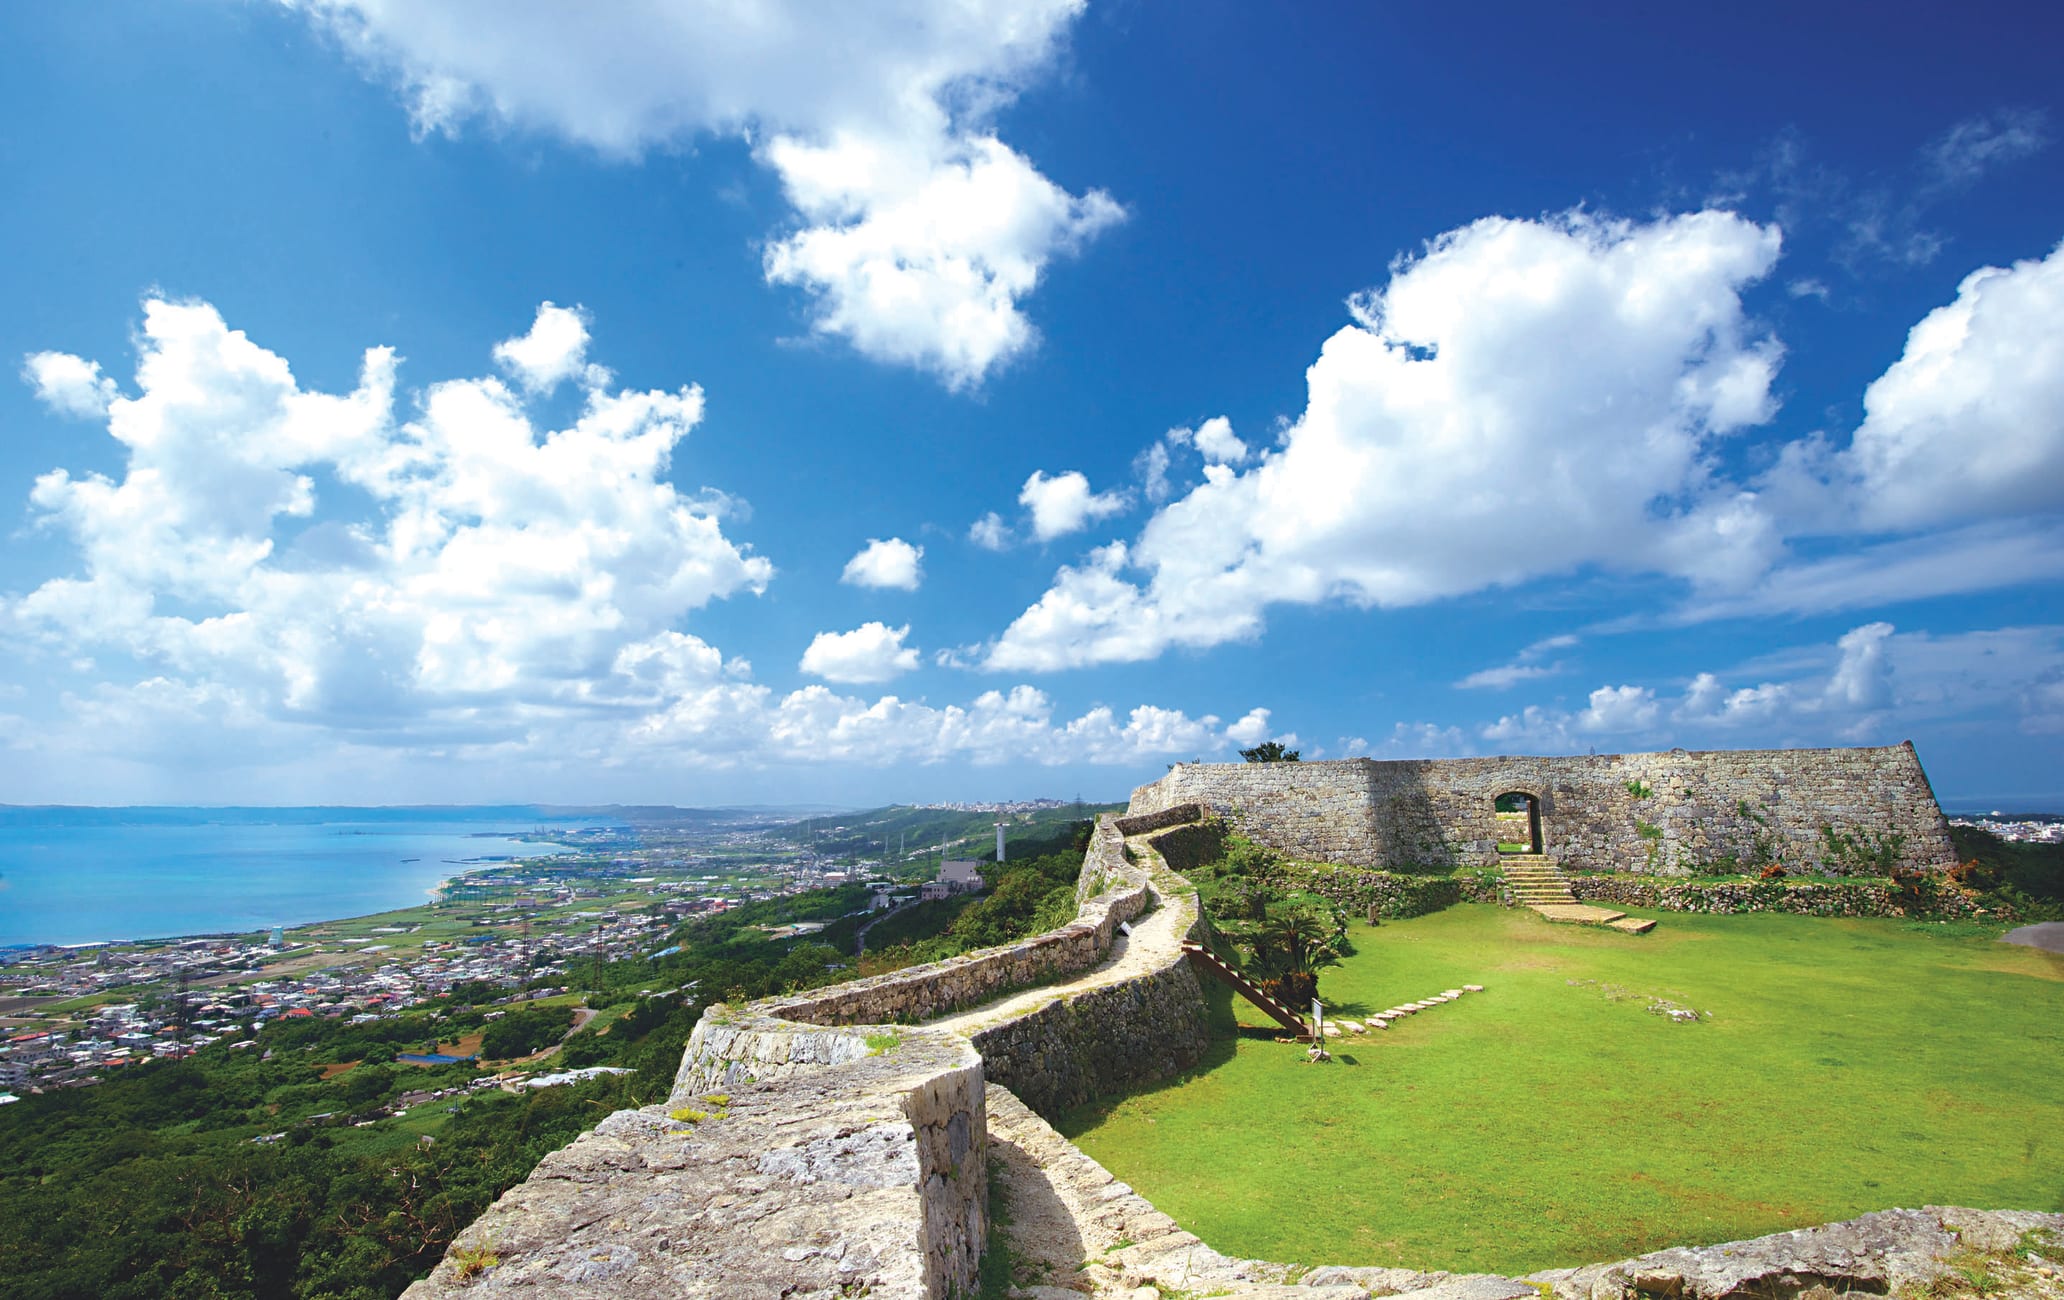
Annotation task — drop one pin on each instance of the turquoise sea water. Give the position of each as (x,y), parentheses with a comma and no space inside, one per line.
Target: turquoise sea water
(85,875)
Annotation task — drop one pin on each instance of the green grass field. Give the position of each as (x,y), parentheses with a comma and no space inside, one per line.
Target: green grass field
(1847,1066)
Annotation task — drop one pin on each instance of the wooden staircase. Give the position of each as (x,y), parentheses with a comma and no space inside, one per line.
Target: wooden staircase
(1204,959)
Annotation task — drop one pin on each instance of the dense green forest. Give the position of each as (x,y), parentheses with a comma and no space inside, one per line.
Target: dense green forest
(1033,892)
(2028,876)
(277,1170)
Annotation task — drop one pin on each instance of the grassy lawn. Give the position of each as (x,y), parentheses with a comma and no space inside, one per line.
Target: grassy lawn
(1847,1066)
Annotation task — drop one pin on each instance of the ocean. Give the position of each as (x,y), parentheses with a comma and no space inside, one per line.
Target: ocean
(85,875)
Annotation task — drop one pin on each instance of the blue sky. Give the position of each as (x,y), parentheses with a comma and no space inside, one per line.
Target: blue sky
(705,403)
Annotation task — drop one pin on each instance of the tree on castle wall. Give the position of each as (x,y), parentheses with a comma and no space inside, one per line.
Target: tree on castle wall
(1269,751)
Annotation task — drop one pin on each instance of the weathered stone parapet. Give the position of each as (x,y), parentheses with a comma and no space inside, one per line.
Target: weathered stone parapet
(1801,898)
(1188,847)
(1898,1252)
(730,1048)
(1388,893)
(1158,820)
(1113,1037)
(919,993)
(1834,811)
(864,1177)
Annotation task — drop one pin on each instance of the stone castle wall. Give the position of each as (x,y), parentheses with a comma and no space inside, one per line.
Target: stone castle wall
(826,1145)
(1672,813)
(1103,1041)
(1116,892)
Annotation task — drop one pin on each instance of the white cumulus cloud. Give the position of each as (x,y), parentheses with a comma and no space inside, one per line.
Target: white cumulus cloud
(919,232)
(1064,504)
(1217,442)
(927,269)
(1969,422)
(487,605)
(1585,367)
(872,652)
(1862,679)
(891,563)
(495,568)
(1620,709)
(68,385)
(990,532)
(1249,730)
(553,351)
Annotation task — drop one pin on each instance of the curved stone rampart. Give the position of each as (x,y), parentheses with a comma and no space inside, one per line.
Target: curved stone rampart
(1664,813)
(919,993)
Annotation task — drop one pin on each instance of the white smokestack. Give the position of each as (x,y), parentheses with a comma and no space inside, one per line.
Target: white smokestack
(999,841)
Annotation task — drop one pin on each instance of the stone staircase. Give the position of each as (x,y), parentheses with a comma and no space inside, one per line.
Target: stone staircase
(1533,880)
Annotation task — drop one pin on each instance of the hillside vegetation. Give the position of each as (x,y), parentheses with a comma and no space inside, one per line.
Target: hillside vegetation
(2030,876)
(280,1169)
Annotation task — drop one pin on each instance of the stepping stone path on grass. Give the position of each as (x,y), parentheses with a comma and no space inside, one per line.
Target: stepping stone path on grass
(1382,1019)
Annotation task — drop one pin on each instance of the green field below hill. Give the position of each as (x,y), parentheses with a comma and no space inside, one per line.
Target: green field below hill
(1841,1066)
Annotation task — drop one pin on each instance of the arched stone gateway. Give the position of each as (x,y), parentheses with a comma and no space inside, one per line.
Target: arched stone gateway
(1835,811)
(1519,821)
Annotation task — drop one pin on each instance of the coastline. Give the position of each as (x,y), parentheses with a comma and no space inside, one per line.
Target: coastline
(75,887)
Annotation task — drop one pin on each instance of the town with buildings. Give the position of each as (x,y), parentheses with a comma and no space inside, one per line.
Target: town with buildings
(70,1015)
(2024,828)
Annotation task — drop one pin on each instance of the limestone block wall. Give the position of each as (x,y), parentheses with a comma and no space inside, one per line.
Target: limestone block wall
(1313,810)
(1109,1039)
(922,992)
(868,1177)
(1664,813)
(1185,848)
(1141,823)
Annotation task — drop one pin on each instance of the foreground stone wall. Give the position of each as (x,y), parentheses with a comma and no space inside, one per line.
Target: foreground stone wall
(1668,813)
(864,1178)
